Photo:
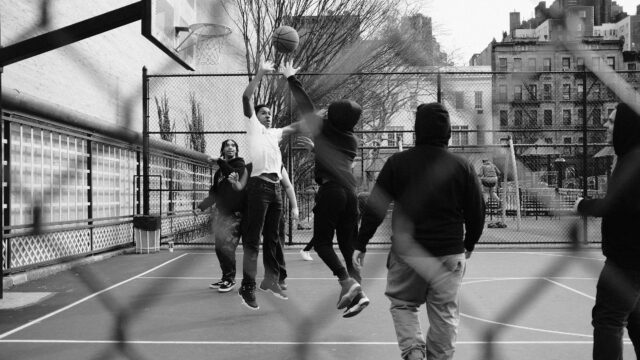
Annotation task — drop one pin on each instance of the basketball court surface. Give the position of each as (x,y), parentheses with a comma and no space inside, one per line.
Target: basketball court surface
(515,305)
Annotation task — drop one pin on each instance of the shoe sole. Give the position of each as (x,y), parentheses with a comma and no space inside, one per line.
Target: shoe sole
(247,305)
(214,287)
(279,296)
(356,309)
(226,289)
(347,298)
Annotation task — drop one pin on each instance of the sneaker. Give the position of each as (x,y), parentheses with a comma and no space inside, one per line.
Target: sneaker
(306,255)
(283,285)
(350,288)
(358,304)
(274,288)
(226,286)
(216,285)
(248,295)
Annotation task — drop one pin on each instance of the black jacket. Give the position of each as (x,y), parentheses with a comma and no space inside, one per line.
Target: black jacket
(335,143)
(620,208)
(437,200)
(227,200)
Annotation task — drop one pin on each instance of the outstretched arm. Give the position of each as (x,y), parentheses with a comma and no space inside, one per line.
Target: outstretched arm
(247,96)
(288,188)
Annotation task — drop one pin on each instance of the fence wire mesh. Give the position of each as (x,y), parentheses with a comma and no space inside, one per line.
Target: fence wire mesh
(549,116)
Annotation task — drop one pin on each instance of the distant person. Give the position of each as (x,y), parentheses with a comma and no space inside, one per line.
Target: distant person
(618,290)
(438,217)
(489,174)
(229,198)
(336,204)
(264,199)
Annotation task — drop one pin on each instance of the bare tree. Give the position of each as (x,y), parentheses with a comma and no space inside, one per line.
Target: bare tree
(164,122)
(344,40)
(195,125)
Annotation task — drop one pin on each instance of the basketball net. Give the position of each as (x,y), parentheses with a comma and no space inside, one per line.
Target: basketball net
(208,49)
(209,39)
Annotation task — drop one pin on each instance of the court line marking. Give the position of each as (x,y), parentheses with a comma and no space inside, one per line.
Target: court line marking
(390,343)
(473,279)
(525,327)
(44,317)
(571,289)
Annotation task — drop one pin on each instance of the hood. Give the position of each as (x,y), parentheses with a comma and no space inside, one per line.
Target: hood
(344,114)
(432,125)
(626,130)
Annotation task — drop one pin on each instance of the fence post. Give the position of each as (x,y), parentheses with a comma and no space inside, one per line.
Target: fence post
(145,142)
(439,87)
(585,182)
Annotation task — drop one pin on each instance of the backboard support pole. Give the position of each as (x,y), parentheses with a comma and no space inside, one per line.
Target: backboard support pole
(70,34)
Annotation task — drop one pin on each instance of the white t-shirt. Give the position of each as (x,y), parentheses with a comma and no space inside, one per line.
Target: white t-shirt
(264,151)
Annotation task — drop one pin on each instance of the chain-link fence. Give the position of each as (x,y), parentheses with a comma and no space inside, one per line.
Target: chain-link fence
(555,121)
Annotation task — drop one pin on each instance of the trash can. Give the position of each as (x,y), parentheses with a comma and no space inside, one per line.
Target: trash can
(146,233)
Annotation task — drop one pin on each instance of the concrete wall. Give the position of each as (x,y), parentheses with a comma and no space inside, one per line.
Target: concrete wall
(99,76)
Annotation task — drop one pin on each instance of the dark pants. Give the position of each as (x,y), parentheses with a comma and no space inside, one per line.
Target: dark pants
(280,250)
(336,212)
(264,208)
(226,231)
(617,306)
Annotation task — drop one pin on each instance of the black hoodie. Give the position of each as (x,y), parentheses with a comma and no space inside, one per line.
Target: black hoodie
(620,208)
(335,144)
(227,200)
(436,194)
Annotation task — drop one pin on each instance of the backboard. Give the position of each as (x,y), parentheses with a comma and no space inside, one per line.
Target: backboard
(162,24)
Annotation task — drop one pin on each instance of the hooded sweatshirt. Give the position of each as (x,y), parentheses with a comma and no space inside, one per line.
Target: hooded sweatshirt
(335,143)
(620,208)
(436,194)
(227,200)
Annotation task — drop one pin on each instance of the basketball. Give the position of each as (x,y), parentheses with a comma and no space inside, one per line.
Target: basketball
(285,39)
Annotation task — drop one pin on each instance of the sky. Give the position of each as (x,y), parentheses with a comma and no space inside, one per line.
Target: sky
(464,27)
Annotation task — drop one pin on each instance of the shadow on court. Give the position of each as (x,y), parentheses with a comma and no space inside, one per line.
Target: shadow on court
(159,306)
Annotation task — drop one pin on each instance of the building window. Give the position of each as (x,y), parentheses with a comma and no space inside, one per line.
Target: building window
(517,92)
(595,63)
(531,65)
(504,118)
(478,99)
(566,92)
(546,91)
(533,92)
(595,90)
(502,64)
(596,117)
(517,118)
(502,92)
(631,66)
(566,63)
(533,118)
(394,138)
(546,64)
(548,118)
(580,90)
(566,140)
(580,63)
(566,117)
(517,64)
(611,61)
(459,99)
(459,135)
(580,115)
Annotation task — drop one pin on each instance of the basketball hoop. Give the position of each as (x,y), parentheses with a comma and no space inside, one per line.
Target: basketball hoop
(207,39)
